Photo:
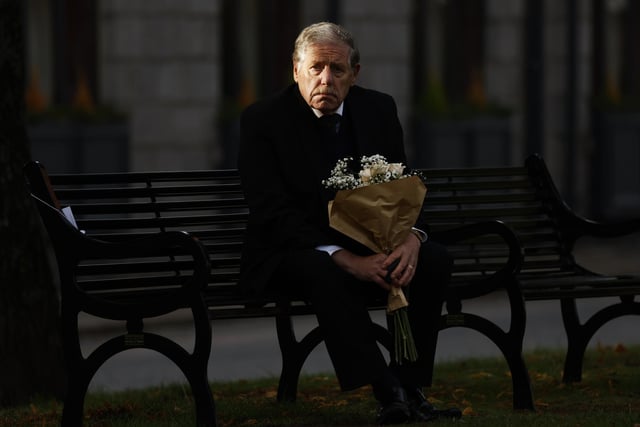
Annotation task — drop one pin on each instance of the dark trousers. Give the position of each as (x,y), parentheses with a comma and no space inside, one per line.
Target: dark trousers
(340,303)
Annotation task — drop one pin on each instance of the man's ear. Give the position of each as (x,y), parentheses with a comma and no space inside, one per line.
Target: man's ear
(295,71)
(356,70)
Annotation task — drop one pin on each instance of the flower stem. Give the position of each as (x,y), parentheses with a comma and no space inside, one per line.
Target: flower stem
(404,345)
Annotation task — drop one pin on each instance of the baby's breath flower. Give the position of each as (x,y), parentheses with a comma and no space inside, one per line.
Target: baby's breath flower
(341,178)
(374,170)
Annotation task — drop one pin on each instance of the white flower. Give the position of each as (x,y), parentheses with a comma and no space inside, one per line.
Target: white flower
(396,169)
(375,170)
(365,176)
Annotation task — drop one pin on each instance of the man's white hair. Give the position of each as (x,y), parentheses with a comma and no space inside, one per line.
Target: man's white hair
(325,32)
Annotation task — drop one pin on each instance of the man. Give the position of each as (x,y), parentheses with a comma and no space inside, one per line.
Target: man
(287,149)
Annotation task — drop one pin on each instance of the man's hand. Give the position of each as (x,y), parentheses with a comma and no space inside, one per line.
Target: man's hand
(365,268)
(373,268)
(407,254)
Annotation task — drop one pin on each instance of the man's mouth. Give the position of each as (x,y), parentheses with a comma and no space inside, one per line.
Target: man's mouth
(325,94)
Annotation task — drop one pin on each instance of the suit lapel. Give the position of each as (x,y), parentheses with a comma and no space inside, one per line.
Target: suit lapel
(308,138)
(359,113)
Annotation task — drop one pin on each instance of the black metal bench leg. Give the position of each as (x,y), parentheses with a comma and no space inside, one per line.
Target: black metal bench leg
(510,344)
(576,341)
(294,354)
(197,365)
(78,373)
(522,394)
(193,366)
(72,411)
(579,335)
(80,376)
(196,373)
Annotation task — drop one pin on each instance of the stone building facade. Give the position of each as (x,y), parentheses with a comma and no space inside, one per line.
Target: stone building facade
(162,63)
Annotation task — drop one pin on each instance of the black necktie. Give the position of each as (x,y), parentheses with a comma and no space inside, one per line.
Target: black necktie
(331,122)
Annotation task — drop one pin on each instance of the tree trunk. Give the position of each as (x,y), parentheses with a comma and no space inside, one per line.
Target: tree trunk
(30,346)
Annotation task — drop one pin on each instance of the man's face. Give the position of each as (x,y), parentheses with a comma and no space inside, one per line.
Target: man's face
(324,75)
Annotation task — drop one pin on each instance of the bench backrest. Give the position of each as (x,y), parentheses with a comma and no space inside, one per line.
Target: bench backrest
(524,198)
(124,206)
(210,205)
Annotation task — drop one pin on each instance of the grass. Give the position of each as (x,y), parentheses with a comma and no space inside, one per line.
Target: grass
(609,395)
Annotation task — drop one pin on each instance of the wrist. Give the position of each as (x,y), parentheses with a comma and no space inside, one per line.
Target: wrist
(419,234)
(345,260)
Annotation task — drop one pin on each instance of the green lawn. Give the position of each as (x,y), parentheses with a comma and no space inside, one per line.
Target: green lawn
(609,395)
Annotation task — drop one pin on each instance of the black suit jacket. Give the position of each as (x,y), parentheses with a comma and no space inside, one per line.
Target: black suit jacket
(282,162)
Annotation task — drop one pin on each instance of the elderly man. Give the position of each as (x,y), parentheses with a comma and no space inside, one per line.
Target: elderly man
(290,143)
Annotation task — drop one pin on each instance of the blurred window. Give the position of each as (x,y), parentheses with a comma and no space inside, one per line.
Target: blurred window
(448,40)
(61,57)
(257,42)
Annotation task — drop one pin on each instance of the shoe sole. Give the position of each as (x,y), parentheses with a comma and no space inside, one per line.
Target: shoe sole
(395,414)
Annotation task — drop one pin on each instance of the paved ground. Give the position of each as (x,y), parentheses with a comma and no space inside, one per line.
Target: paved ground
(249,349)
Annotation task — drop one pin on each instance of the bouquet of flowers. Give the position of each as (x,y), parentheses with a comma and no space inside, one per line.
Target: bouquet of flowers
(377,207)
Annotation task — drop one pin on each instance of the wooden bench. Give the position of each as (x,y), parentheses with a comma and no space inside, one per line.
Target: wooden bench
(151,243)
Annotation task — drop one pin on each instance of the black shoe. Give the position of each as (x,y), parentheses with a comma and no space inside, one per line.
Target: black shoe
(395,410)
(422,410)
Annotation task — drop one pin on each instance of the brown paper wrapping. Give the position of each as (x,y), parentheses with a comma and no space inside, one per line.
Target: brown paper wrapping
(379,216)
(396,300)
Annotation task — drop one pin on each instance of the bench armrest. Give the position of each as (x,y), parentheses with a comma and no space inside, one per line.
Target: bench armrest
(503,277)
(72,246)
(168,243)
(607,229)
(573,226)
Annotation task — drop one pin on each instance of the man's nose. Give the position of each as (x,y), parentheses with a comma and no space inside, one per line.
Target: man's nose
(326,75)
